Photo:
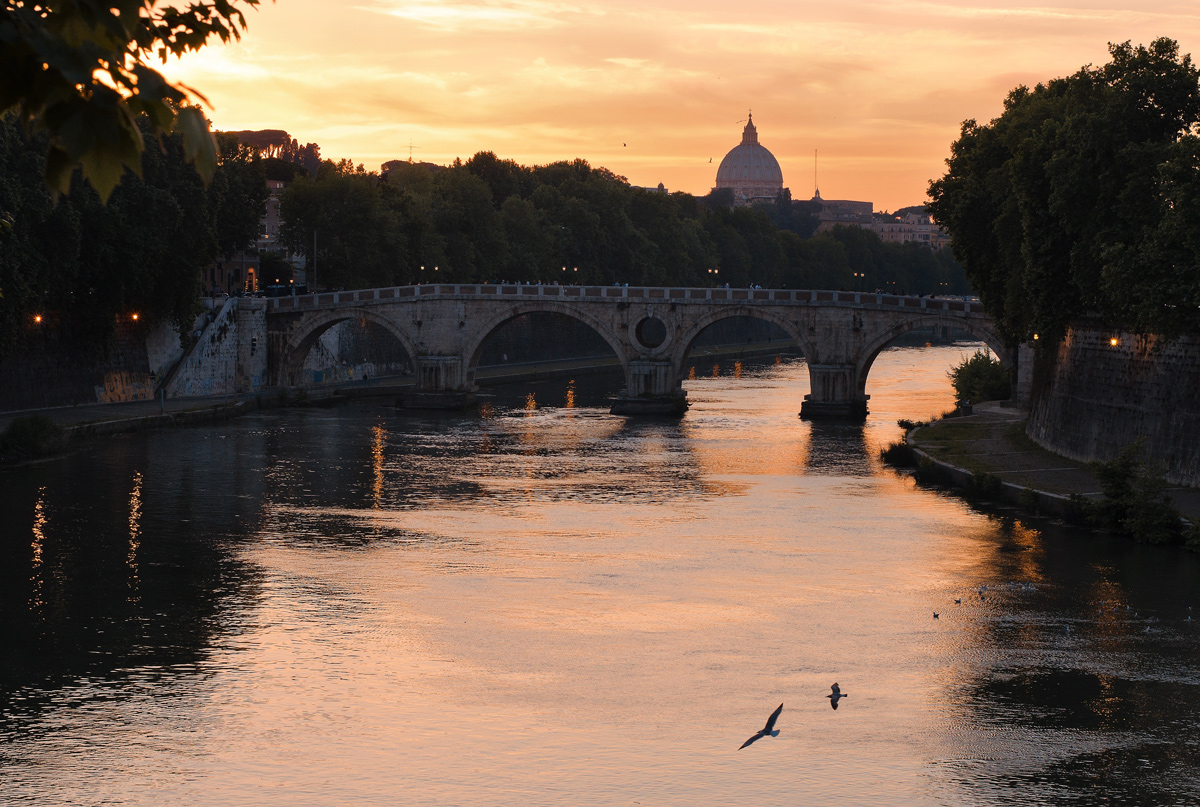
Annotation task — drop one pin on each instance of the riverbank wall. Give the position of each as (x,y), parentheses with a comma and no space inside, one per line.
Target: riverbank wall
(1102,390)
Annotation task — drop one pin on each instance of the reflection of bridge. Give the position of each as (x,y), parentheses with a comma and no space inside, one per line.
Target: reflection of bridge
(651,330)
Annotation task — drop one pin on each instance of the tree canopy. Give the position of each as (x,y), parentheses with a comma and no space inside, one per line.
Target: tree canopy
(79,72)
(1083,197)
(569,222)
(80,264)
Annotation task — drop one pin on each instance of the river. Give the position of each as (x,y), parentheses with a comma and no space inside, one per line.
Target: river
(544,604)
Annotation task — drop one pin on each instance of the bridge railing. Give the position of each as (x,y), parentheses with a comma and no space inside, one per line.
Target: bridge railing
(649,294)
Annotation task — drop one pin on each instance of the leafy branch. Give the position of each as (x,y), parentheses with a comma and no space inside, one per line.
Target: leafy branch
(79,71)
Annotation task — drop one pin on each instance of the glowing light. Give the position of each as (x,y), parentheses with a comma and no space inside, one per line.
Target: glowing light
(135,316)
(378,442)
(135,533)
(1035,336)
(1113,341)
(37,318)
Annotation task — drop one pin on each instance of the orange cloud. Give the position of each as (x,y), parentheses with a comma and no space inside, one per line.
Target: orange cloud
(654,89)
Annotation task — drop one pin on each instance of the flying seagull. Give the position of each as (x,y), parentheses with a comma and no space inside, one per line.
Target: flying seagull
(835,695)
(767,730)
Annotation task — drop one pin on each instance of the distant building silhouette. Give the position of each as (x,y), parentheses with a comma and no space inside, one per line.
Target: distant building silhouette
(911,226)
(750,170)
(843,211)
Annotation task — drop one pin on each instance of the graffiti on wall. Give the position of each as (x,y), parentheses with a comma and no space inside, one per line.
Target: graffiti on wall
(123,386)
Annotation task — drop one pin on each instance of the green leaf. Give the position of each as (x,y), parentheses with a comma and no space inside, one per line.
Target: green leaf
(199,146)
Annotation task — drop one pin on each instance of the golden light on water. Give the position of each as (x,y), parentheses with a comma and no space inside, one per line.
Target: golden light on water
(716,371)
(692,373)
(39,540)
(530,403)
(135,528)
(570,404)
(378,441)
(737,369)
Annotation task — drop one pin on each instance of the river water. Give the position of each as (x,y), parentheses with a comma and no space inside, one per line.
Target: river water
(545,604)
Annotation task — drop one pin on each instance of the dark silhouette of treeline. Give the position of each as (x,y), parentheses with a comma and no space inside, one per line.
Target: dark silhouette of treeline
(72,267)
(489,219)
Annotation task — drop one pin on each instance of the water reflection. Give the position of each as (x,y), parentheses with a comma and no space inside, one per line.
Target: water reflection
(377,446)
(356,580)
(838,449)
(135,533)
(36,579)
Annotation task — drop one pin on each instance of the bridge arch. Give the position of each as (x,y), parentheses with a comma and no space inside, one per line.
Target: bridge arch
(480,334)
(312,327)
(688,337)
(980,329)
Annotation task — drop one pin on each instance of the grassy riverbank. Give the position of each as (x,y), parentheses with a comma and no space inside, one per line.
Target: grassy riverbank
(991,449)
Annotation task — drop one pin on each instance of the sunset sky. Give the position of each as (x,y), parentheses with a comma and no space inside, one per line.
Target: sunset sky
(655,88)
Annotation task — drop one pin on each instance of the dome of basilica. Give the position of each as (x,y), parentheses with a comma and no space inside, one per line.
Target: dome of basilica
(749,169)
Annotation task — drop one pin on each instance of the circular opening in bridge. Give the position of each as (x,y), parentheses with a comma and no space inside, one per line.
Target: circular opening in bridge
(651,332)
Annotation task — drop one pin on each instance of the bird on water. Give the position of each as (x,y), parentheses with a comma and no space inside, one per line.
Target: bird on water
(767,730)
(836,695)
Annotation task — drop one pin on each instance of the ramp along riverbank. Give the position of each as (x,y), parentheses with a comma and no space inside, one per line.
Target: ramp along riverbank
(993,441)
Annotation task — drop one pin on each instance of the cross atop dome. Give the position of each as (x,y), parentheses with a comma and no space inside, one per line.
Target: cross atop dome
(750,134)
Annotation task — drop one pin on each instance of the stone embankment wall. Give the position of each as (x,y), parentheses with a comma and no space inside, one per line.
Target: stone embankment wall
(229,356)
(50,369)
(1096,398)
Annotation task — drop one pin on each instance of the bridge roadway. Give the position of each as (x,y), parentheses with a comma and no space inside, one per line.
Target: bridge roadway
(443,327)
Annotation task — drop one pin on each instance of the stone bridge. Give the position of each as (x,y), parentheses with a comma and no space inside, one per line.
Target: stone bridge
(651,330)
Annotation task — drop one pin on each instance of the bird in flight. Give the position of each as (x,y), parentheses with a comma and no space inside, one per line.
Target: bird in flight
(836,695)
(767,730)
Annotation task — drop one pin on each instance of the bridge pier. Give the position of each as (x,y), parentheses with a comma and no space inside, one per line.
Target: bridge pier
(440,385)
(834,393)
(654,389)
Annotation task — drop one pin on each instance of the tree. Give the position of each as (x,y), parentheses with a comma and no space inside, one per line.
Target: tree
(356,233)
(78,71)
(80,263)
(1081,197)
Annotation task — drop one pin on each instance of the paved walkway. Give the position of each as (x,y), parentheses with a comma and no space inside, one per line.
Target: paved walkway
(993,441)
(68,416)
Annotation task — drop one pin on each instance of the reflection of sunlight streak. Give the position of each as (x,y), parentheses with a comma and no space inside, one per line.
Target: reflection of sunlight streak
(571,394)
(135,529)
(530,404)
(39,539)
(378,440)
(737,369)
